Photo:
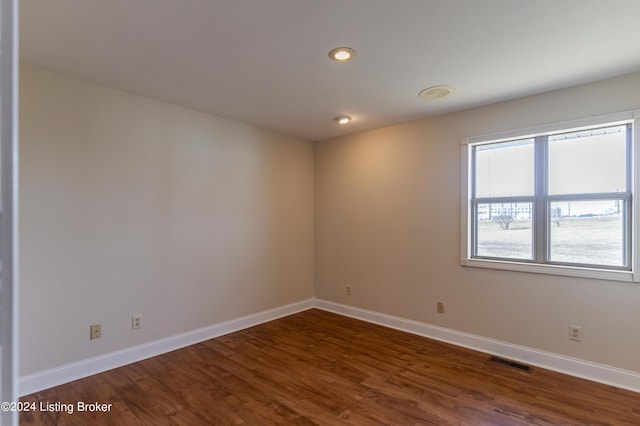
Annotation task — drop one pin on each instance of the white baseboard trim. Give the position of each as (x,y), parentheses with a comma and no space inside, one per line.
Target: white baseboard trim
(77,370)
(572,366)
(601,373)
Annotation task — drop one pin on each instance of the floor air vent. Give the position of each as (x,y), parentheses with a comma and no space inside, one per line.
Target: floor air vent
(510,363)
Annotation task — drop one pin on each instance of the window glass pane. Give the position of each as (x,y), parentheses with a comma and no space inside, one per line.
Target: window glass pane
(504,169)
(588,161)
(504,230)
(588,232)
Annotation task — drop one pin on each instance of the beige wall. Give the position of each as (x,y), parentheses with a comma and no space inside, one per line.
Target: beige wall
(131,205)
(388,224)
(134,206)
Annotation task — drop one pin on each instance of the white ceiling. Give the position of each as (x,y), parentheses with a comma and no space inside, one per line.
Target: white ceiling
(264,62)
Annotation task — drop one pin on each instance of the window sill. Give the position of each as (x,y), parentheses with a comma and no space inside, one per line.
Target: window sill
(567,271)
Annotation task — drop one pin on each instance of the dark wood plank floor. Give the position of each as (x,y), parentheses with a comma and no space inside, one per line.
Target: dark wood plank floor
(317,368)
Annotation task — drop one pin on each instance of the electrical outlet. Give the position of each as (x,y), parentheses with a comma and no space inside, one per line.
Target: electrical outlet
(95,331)
(440,307)
(575,333)
(136,321)
(349,290)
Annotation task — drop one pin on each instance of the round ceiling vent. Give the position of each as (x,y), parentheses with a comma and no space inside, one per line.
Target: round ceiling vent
(437,92)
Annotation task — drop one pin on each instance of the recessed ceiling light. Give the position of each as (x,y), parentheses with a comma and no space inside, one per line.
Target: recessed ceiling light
(343,119)
(437,92)
(342,54)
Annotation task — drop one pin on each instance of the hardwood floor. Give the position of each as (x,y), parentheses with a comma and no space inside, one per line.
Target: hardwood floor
(317,368)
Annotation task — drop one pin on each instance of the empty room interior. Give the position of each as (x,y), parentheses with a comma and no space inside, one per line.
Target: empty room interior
(435,224)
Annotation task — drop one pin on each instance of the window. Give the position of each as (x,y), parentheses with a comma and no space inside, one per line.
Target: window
(555,199)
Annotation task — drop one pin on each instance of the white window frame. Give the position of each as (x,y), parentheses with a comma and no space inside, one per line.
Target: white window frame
(466,258)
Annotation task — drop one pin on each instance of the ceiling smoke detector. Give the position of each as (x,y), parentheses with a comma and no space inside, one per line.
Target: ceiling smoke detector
(437,92)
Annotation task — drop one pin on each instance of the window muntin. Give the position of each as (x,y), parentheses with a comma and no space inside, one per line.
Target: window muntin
(576,186)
